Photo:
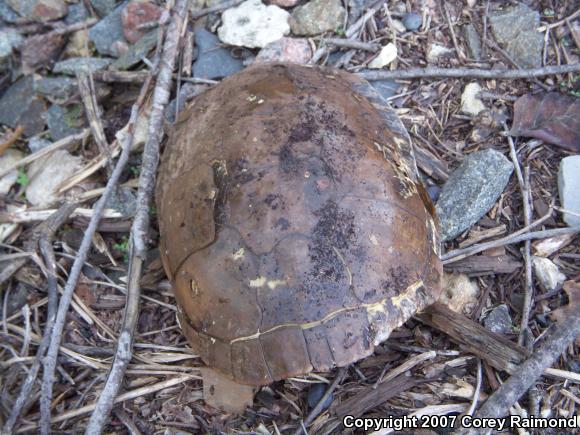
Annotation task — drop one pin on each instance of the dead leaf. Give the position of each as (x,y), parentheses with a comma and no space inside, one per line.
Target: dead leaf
(551,117)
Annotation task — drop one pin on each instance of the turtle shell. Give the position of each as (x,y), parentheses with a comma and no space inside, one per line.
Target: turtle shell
(292,223)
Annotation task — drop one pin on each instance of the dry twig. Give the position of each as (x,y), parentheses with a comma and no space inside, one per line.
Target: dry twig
(498,404)
(505,74)
(140,227)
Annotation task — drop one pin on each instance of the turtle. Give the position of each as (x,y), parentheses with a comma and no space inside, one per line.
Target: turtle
(294,227)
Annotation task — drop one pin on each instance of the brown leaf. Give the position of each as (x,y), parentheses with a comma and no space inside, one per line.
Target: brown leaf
(550,117)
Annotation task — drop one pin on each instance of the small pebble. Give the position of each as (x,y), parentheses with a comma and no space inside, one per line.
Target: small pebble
(434,192)
(412,21)
(499,320)
(315,393)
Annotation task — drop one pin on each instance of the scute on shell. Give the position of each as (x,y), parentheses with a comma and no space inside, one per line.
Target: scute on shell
(293,225)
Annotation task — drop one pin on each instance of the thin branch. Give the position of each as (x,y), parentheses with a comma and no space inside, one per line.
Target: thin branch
(140,228)
(216,8)
(555,343)
(88,95)
(320,405)
(56,335)
(505,74)
(42,235)
(63,143)
(352,43)
(528,290)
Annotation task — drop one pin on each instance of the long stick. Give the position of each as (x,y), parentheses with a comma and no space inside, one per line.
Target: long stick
(56,335)
(140,228)
(506,74)
(555,343)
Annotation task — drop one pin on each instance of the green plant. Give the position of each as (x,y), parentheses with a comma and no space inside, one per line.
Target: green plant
(22,179)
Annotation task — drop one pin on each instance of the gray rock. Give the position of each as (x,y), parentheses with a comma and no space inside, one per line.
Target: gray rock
(473,42)
(186,93)
(515,29)
(76,13)
(47,174)
(569,188)
(317,16)
(63,122)
(36,143)
(253,24)
(107,32)
(412,21)
(19,105)
(387,88)
(315,393)
(137,51)
(471,191)
(213,61)
(103,7)
(58,90)
(7,13)
(7,159)
(72,65)
(356,9)
(124,201)
(499,320)
(40,10)
(9,39)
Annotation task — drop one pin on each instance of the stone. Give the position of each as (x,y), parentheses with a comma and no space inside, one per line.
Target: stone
(499,320)
(284,3)
(459,293)
(387,88)
(213,61)
(317,16)
(136,52)
(253,24)
(103,7)
(124,201)
(9,39)
(387,54)
(107,32)
(436,51)
(40,10)
(515,30)
(19,105)
(568,187)
(470,104)
(398,26)
(473,42)
(412,21)
(36,143)
(7,159)
(7,13)
(41,51)
(74,64)
(295,50)
(58,90)
(356,8)
(315,393)
(434,192)
(47,174)
(63,121)
(471,190)
(77,13)
(135,14)
(547,273)
(186,93)
(78,45)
